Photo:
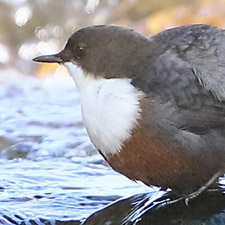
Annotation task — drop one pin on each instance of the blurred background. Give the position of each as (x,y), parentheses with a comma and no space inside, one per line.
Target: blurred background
(48,166)
(29,28)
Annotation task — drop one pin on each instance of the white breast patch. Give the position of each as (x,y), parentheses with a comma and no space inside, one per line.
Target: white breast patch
(110,109)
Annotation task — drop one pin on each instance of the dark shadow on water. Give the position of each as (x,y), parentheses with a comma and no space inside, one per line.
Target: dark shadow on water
(147,208)
(153,208)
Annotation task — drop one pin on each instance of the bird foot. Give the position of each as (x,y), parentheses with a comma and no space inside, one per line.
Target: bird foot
(198,192)
(201,189)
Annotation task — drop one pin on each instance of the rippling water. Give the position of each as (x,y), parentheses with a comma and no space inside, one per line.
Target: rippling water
(49,168)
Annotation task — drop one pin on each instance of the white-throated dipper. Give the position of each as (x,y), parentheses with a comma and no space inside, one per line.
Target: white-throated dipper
(153,107)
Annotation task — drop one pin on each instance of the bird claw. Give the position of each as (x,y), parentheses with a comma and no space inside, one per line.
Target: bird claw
(196,193)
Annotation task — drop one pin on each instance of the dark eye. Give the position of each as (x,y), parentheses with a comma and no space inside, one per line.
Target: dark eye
(81,48)
(80,51)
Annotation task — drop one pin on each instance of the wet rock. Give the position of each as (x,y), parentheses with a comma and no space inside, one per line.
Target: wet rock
(151,208)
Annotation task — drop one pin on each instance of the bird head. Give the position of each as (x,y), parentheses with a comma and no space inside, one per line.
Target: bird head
(103,51)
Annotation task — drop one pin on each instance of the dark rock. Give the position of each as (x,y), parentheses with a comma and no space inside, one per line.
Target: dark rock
(163,209)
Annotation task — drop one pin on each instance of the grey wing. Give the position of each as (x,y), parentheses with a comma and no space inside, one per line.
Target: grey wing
(209,65)
(203,47)
(182,98)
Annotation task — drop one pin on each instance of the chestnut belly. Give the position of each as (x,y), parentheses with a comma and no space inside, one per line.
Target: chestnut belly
(153,162)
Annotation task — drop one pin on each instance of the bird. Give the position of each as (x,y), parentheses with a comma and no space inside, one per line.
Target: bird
(154,107)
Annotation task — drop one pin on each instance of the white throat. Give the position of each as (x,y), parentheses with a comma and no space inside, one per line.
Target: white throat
(110,109)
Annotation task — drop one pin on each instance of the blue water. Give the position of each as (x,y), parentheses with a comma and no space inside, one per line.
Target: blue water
(49,168)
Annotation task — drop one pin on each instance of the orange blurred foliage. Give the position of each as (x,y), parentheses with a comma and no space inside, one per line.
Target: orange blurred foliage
(46,69)
(201,11)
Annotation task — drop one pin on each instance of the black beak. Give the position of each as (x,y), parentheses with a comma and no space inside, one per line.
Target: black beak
(48,59)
